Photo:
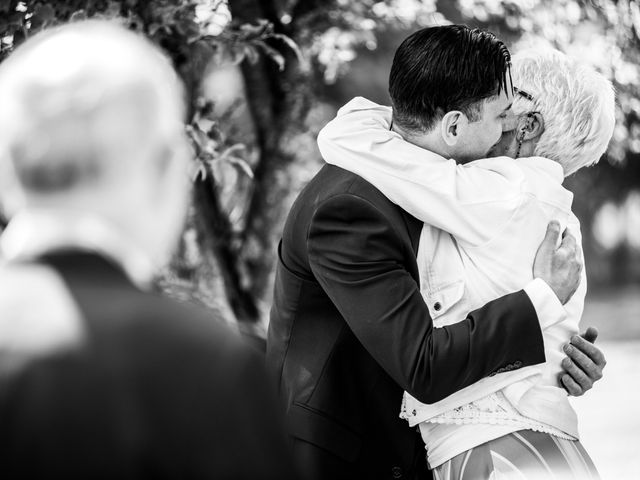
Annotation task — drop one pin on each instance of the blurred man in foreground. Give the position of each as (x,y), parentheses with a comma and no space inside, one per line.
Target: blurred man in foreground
(99,378)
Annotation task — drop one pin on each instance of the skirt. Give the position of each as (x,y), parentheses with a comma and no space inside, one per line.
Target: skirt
(523,455)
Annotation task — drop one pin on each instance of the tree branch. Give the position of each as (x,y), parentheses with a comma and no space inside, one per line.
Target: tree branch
(278,102)
(215,224)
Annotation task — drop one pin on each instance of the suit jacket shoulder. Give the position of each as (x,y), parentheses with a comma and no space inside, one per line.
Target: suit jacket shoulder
(347,190)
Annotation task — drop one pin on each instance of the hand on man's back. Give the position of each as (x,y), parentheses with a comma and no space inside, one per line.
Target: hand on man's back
(583,364)
(560,267)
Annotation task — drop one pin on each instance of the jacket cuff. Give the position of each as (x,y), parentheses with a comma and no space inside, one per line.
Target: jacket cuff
(548,308)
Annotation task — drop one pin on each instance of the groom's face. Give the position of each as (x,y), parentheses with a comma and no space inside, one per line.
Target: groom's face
(481,135)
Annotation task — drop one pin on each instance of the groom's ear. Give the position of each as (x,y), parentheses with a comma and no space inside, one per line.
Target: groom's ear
(451,125)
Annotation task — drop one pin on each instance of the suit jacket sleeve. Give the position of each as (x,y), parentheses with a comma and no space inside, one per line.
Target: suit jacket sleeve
(358,258)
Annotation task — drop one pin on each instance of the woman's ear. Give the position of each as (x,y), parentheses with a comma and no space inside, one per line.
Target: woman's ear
(451,125)
(531,125)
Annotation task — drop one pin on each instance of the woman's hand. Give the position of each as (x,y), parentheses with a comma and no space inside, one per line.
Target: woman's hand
(559,266)
(584,363)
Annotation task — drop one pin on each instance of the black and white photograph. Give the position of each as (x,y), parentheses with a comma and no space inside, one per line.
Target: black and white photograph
(320,239)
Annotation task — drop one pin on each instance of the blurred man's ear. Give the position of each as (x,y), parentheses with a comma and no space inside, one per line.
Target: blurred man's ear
(451,125)
(531,125)
(172,155)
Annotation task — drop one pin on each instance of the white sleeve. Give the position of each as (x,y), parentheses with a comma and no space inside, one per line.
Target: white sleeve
(472,202)
(548,308)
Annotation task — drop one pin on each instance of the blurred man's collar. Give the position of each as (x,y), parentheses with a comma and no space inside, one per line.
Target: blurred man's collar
(32,233)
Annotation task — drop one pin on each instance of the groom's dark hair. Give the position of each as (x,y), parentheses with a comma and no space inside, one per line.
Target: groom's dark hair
(439,69)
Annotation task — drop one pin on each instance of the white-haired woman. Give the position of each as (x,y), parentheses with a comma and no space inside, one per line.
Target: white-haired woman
(484,221)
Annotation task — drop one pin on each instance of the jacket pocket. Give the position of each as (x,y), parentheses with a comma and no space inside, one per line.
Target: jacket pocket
(315,427)
(442,298)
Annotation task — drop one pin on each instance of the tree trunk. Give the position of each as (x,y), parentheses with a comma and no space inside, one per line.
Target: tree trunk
(278,102)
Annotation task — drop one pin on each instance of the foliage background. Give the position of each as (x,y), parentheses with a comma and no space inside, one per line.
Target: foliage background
(263,76)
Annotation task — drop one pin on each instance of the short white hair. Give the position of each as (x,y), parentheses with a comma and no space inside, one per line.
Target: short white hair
(576,102)
(78,101)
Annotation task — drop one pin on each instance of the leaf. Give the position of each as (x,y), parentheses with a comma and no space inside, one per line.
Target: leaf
(198,171)
(291,44)
(241,165)
(262,27)
(153,28)
(229,155)
(78,15)
(250,53)
(237,147)
(272,53)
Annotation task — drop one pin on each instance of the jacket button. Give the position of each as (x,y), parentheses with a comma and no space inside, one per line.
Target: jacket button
(437,306)
(396,472)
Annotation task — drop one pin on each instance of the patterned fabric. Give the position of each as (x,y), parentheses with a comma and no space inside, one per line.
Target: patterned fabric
(494,409)
(523,455)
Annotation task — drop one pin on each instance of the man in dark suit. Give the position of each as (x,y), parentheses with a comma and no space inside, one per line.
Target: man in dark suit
(349,329)
(99,377)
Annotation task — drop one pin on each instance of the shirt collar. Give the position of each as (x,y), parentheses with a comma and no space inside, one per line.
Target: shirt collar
(551,186)
(32,233)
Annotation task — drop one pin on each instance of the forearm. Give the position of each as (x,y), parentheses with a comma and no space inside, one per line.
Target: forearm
(472,202)
(360,268)
(503,333)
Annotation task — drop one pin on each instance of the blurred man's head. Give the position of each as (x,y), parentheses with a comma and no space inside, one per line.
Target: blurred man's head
(451,88)
(91,121)
(563,110)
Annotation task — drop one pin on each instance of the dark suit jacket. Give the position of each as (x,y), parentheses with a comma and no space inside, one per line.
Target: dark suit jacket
(156,390)
(350,331)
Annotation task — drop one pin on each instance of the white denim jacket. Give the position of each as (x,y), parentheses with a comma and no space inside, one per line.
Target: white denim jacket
(484,222)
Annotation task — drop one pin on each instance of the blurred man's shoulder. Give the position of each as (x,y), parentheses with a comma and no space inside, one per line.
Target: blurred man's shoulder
(43,312)
(37,315)
(186,321)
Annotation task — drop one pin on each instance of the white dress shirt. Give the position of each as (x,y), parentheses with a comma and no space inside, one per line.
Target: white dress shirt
(484,222)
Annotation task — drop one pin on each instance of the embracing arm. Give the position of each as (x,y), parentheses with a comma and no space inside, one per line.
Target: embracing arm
(359,260)
(584,363)
(472,201)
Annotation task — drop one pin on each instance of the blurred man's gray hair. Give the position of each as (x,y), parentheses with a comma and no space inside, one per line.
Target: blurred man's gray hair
(81,102)
(576,102)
